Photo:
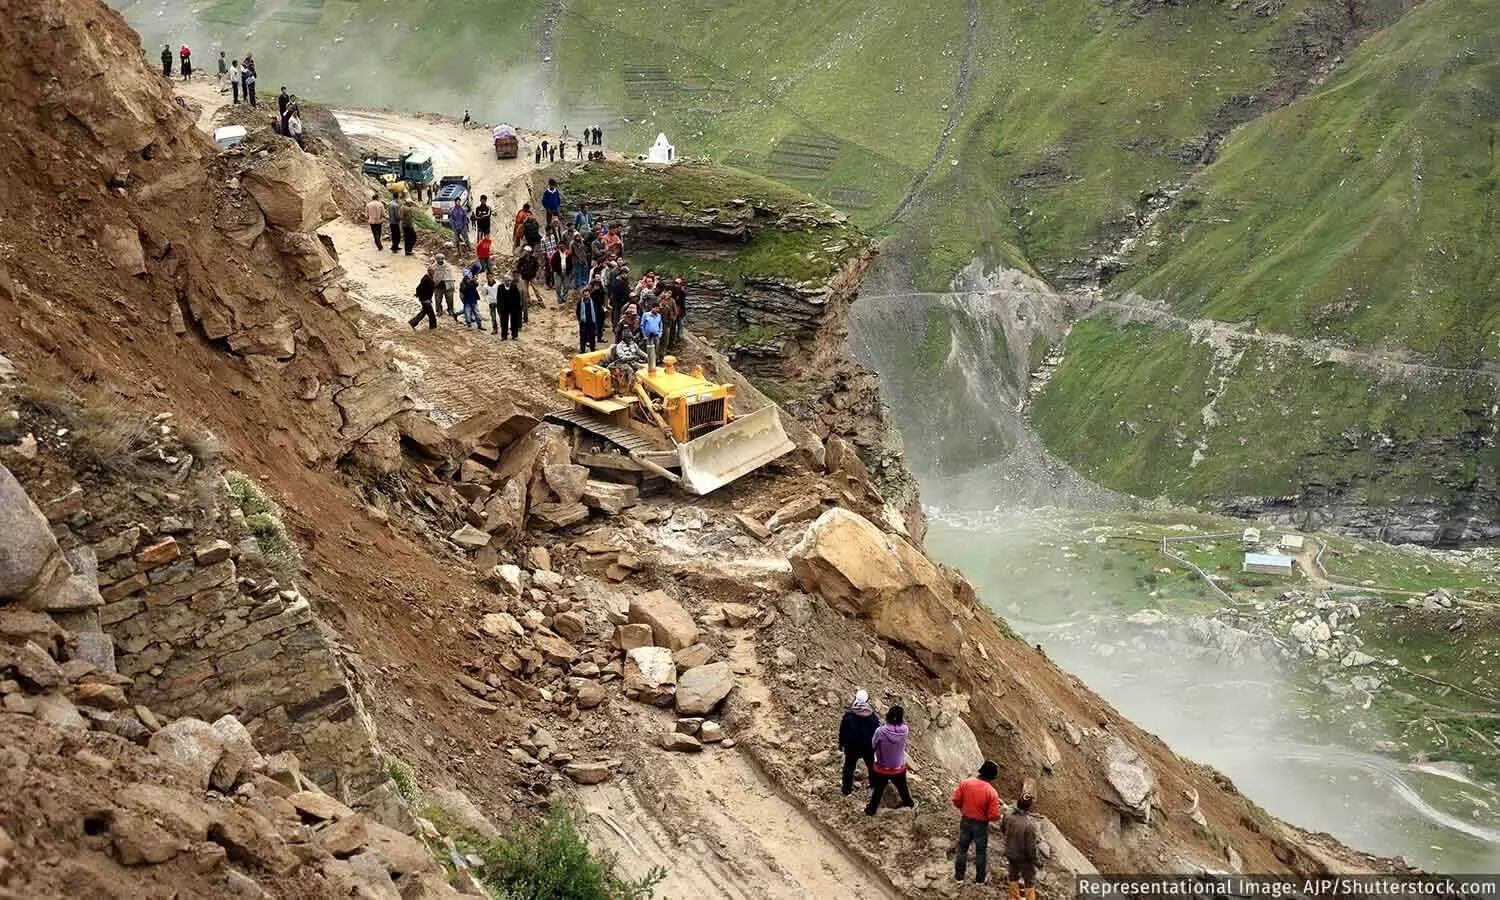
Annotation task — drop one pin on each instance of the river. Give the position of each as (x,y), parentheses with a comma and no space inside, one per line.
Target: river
(1260,730)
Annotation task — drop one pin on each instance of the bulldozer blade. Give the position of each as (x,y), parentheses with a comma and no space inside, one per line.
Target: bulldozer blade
(724,454)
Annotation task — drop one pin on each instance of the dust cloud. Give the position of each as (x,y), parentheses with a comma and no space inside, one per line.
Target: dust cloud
(494,67)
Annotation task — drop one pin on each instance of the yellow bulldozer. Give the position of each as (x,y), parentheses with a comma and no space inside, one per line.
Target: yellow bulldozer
(666,423)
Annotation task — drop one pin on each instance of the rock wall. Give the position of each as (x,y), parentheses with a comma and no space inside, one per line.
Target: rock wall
(202,636)
(157,573)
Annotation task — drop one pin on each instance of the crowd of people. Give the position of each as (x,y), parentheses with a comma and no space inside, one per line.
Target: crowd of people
(881,746)
(576,263)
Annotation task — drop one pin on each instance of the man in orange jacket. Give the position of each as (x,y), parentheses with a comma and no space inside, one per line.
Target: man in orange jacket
(979,805)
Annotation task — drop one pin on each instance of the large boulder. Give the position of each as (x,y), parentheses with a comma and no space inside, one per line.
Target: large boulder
(671,625)
(953,741)
(1131,778)
(492,430)
(291,190)
(121,246)
(862,571)
(700,689)
(505,511)
(31,563)
(191,746)
(371,401)
(650,675)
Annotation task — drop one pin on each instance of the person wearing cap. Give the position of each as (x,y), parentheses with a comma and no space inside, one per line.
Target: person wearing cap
(1021,854)
(978,805)
(442,273)
(857,738)
(629,329)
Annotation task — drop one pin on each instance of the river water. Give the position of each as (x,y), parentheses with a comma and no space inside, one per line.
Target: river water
(1259,729)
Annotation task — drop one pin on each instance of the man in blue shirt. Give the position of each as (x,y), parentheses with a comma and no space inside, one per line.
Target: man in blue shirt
(651,334)
(551,200)
(458,217)
(583,221)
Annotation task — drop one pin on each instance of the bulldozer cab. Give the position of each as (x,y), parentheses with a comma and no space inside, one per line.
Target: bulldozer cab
(677,411)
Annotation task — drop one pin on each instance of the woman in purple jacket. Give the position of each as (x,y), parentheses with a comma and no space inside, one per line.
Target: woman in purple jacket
(890,760)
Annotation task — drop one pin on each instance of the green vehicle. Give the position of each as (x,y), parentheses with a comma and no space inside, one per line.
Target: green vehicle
(411,167)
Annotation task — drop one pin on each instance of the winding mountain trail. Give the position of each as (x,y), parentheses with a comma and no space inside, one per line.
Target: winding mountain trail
(1384,363)
(956,110)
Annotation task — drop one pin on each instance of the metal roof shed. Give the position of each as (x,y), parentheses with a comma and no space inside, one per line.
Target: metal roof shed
(1269,564)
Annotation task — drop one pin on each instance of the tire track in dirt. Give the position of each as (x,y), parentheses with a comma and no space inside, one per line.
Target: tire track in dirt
(956,111)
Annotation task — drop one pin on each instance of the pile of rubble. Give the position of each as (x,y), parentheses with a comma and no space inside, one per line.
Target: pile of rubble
(101,792)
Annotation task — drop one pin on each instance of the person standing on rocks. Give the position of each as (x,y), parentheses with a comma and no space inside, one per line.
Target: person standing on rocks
(186,57)
(677,293)
(375,217)
(425,288)
(408,228)
(857,739)
(223,71)
(511,309)
(234,81)
(1021,855)
(166,60)
(979,805)
(889,744)
(458,218)
(283,100)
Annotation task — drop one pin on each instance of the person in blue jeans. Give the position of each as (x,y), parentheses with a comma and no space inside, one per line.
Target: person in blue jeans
(468,292)
(651,334)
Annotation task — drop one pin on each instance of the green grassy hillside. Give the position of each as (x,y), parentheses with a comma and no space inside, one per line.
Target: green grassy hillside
(1365,212)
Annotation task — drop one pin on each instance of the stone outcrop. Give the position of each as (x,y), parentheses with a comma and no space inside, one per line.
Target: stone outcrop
(861,571)
(291,190)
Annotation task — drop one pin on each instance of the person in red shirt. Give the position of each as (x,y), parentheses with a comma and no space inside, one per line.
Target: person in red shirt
(483,250)
(979,805)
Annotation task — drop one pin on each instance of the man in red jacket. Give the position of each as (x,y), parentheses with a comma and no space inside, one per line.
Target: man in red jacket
(979,805)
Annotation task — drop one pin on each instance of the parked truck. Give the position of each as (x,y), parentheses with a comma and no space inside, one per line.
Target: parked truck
(507,144)
(451,190)
(411,167)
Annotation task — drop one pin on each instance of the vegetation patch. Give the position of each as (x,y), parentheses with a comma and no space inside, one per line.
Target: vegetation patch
(263,519)
(549,859)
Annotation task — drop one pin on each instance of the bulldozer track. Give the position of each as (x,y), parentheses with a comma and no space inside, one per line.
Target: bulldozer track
(626,437)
